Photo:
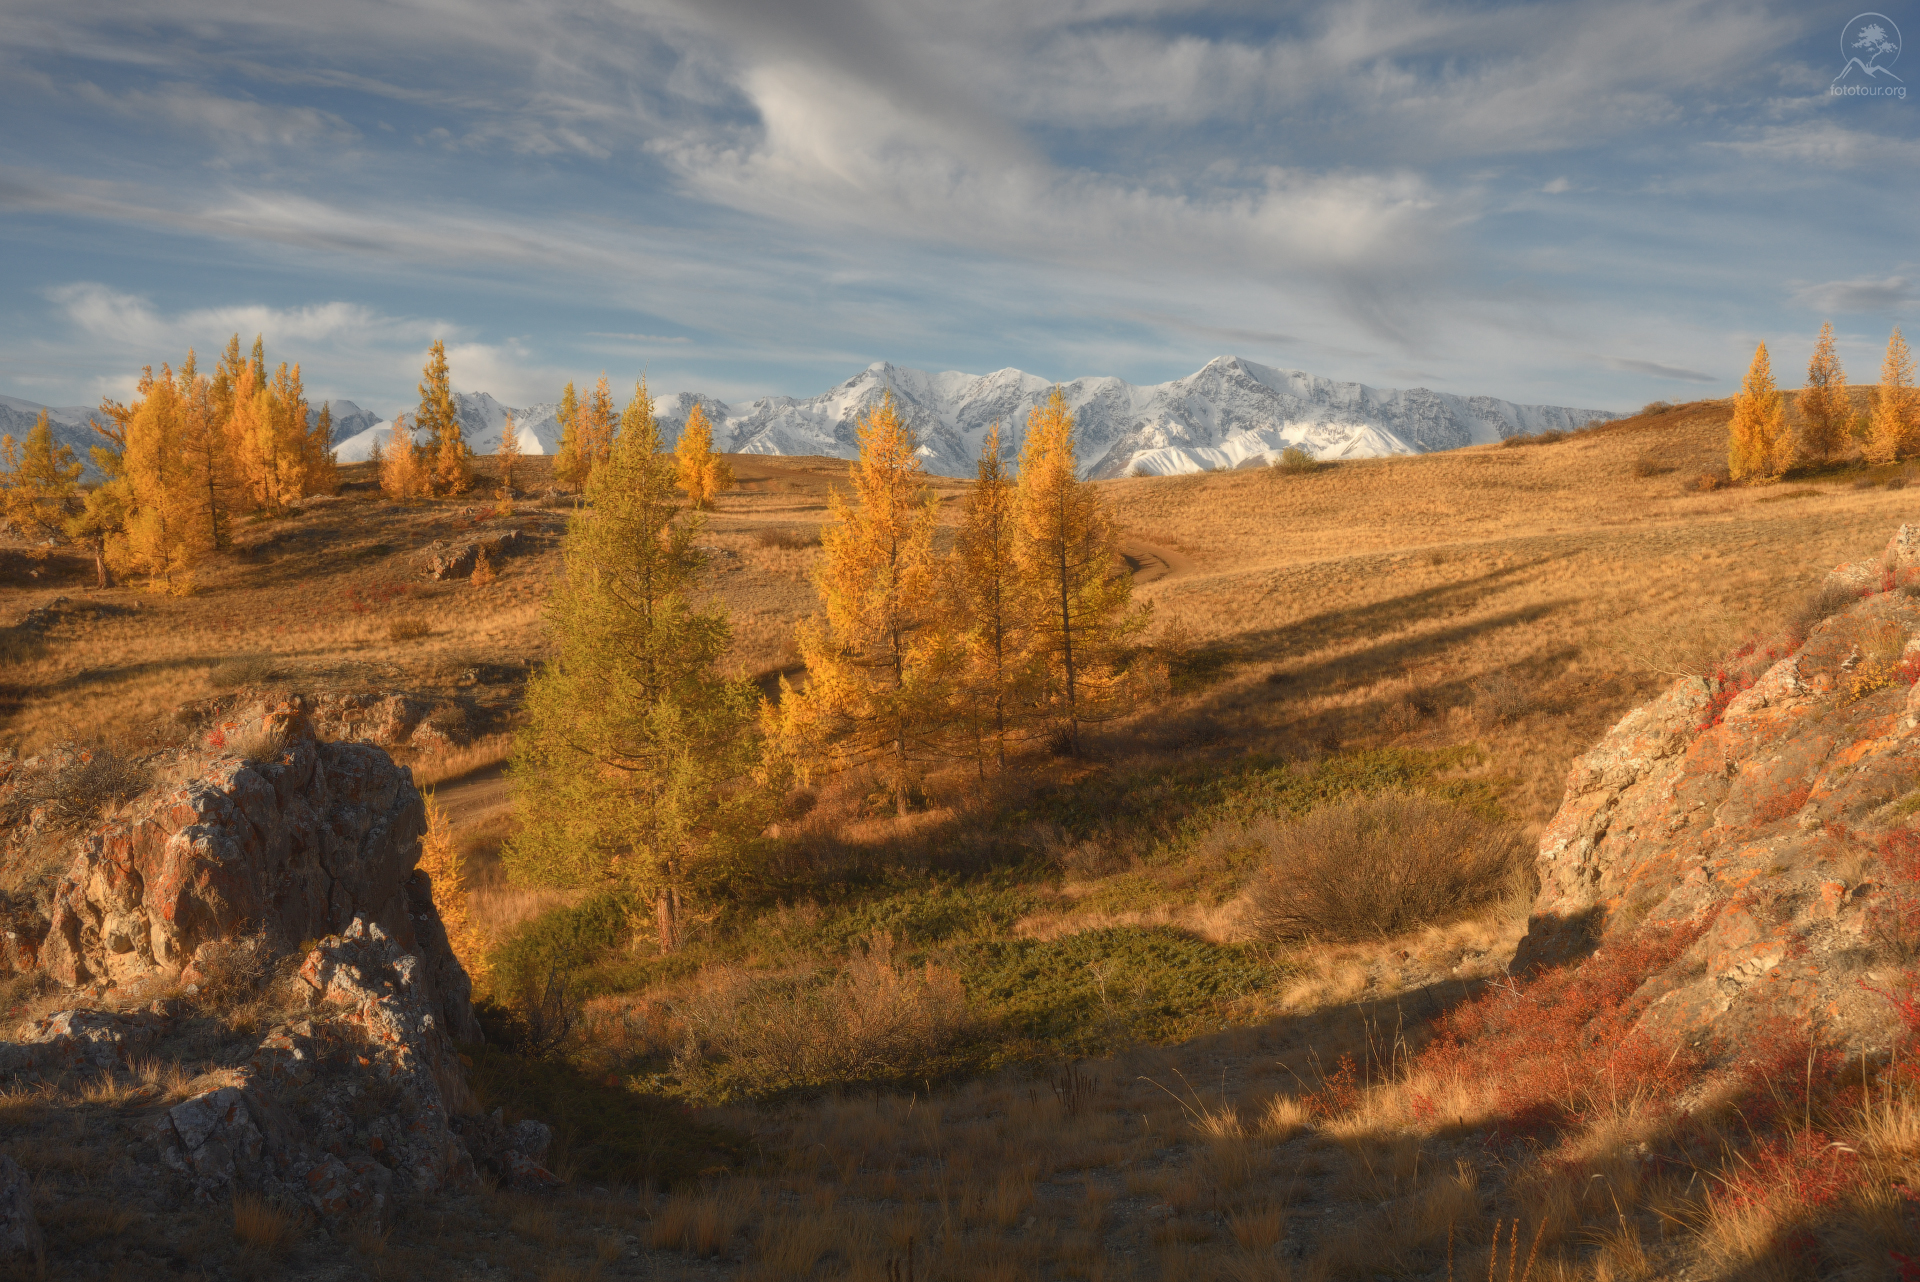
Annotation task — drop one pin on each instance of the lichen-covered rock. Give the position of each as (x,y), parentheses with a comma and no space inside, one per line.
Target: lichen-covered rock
(298,846)
(389,719)
(1753,814)
(87,1040)
(456,560)
(342,1111)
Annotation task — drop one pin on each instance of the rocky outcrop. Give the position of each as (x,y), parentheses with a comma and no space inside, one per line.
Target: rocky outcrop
(1763,810)
(294,846)
(456,560)
(344,1111)
(389,719)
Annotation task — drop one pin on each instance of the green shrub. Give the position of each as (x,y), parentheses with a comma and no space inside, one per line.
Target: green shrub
(1085,993)
(564,939)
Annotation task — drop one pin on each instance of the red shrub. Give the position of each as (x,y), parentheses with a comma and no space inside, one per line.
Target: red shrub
(1565,1044)
(1339,1091)
(1784,804)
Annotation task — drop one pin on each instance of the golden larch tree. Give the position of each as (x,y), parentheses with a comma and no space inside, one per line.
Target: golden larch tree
(703,474)
(159,538)
(597,421)
(317,463)
(449,462)
(1757,443)
(1825,412)
(570,459)
(403,475)
(984,589)
(205,441)
(1078,591)
(1893,426)
(440,860)
(509,456)
(37,479)
(877,667)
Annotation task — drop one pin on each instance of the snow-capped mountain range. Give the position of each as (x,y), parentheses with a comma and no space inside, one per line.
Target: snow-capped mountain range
(73,424)
(1229,413)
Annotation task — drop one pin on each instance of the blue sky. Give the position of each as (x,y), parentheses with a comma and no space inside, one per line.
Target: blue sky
(1593,204)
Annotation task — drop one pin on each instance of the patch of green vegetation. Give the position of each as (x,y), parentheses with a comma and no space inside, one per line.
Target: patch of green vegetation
(1159,814)
(562,939)
(1086,993)
(603,1133)
(916,916)
(1790,494)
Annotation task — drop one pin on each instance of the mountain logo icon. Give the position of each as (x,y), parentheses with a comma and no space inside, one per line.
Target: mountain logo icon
(1871,44)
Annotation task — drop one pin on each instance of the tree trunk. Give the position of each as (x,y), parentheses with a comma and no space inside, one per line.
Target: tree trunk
(102,578)
(1066,640)
(666,912)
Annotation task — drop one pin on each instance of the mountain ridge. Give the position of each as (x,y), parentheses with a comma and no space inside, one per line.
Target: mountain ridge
(1228,413)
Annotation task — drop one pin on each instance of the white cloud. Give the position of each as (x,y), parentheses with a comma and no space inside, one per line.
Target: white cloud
(346,350)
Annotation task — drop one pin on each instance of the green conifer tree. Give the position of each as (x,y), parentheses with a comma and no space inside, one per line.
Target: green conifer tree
(634,771)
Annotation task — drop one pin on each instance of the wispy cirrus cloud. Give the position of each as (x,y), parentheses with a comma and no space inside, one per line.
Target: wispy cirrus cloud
(1863,294)
(761,194)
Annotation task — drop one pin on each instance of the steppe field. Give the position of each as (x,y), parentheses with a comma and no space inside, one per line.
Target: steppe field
(1027,1031)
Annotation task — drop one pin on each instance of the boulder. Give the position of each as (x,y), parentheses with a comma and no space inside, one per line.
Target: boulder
(297,847)
(456,560)
(1754,810)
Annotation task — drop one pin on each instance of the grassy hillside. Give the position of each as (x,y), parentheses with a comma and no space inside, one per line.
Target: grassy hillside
(891,1030)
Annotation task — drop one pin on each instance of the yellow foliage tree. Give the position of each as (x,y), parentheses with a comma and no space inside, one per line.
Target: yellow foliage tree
(204,440)
(160,538)
(984,589)
(597,421)
(877,667)
(509,456)
(1893,427)
(570,461)
(1078,591)
(1825,412)
(1757,444)
(36,482)
(403,475)
(317,462)
(446,879)
(268,437)
(703,474)
(448,461)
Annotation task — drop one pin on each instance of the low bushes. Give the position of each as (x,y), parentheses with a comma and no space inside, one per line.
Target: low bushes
(1370,867)
(875,1019)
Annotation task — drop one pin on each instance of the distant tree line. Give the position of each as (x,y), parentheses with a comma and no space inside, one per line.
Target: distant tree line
(1760,445)
(188,456)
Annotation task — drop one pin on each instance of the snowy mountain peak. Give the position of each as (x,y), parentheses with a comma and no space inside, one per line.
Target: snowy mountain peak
(1229,412)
